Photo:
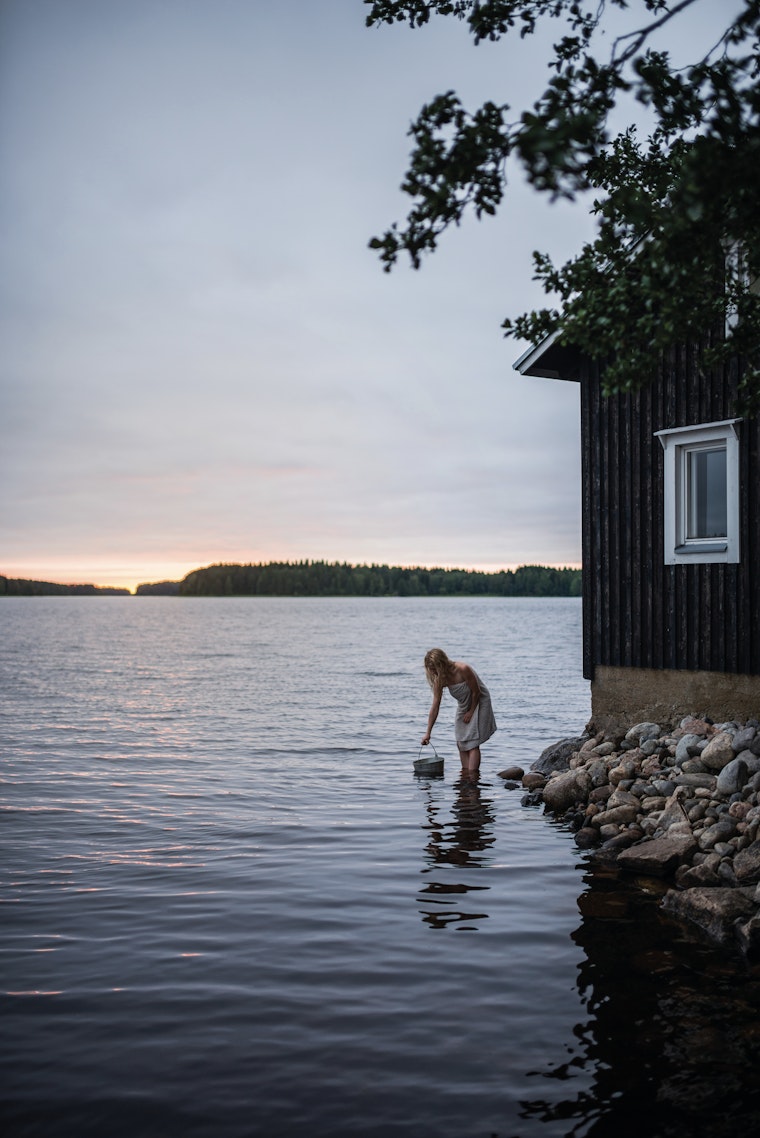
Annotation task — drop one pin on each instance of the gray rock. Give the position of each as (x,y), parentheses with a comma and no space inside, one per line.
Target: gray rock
(724,828)
(752,760)
(694,780)
(534,798)
(557,757)
(663,786)
(565,789)
(743,739)
(695,876)
(747,864)
(713,910)
(693,766)
(597,772)
(640,732)
(718,752)
(604,749)
(619,815)
(732,778)
(660,857)
(688,745)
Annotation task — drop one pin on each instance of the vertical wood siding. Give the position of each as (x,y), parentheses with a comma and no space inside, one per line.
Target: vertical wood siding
(639,612)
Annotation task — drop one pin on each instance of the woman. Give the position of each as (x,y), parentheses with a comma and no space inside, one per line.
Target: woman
(474,721)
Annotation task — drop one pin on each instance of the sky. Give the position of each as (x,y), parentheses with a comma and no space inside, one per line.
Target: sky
(201,360)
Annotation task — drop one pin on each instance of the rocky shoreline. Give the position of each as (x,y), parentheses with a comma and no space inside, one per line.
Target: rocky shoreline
(681,804)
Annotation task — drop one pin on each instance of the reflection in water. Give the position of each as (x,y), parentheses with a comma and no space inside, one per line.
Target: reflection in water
(661,1041)
(461,843)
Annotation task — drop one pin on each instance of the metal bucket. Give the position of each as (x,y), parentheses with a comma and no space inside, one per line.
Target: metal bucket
(432,765)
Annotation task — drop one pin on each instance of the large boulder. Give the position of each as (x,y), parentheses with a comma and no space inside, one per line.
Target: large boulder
(660,857)
(714,910)
(565,789)
(557,757)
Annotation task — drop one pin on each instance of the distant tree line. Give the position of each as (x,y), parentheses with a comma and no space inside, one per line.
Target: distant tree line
(158,589)
(339,579)
(18,587)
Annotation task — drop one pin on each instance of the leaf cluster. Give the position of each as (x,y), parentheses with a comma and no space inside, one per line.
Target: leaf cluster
(677,246)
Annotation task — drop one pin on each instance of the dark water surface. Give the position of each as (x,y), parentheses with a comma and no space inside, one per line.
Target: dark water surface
(229,909)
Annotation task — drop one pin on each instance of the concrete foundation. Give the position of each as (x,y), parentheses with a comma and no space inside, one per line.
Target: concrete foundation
(621,697)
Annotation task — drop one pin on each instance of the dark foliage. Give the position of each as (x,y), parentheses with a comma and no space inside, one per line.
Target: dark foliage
(677,249)
(339,579)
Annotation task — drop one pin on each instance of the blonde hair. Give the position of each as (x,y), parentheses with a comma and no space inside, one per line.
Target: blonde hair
(438,668)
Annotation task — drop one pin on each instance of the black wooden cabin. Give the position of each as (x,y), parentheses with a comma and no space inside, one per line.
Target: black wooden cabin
(671,539)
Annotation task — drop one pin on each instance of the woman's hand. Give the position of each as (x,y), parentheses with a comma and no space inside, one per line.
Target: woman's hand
(467,716)
(425,741)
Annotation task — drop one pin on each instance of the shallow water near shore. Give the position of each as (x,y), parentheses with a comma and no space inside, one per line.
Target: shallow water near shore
(230,909)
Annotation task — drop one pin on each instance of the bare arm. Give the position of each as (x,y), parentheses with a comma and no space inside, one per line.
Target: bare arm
(434,709)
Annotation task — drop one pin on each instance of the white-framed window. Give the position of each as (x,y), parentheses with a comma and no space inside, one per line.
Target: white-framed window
(701,493)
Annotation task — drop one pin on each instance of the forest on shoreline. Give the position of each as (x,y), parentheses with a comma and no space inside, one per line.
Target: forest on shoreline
(330,579)
(20,587)
(340,579)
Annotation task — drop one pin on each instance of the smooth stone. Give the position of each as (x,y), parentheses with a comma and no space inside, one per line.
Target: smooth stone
(752,760)
(564,790)
(533,781)
(663,786)
(705,780)
(512,773)
(732,778)
(604,749)
(687,747)
(640,732)
(718,752)
(743,739)
(718,832)
(618,815)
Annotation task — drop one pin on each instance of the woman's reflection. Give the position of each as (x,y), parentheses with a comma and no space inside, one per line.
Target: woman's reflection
(461,843)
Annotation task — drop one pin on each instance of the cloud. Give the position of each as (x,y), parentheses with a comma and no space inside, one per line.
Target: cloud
(201,357)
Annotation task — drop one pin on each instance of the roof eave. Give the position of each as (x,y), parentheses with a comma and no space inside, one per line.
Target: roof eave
(549,359)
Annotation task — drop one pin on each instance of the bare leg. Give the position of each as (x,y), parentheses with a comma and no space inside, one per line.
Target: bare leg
(470,759)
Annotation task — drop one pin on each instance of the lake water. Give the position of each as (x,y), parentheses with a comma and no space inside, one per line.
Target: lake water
(229,909)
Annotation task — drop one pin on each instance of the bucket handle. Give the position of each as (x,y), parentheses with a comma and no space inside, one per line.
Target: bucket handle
(435,753)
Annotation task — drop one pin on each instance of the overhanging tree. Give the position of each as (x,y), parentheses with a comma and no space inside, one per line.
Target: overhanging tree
(677,241)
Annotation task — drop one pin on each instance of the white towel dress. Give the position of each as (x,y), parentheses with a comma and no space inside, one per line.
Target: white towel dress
(482,725)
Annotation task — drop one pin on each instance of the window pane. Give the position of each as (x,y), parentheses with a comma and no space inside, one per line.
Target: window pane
(706,493)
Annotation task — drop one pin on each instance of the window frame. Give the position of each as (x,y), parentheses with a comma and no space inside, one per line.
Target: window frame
(677,444)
